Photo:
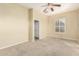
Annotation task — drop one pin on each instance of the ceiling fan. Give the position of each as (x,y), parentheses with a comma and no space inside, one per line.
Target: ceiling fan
(50,7)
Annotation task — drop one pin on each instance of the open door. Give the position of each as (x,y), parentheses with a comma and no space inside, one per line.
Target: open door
(36,29)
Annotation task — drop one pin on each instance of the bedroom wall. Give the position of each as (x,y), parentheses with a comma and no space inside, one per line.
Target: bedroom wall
(14,24)
(71,25)
(78,24)
(43,24)
(17,24)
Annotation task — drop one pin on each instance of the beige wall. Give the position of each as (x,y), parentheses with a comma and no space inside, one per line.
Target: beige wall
(17,24)
(13,25)
(71,25)
(30,24)
(44,28)
(78,24)
(43,24)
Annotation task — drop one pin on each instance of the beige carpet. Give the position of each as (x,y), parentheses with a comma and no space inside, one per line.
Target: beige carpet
(44,47)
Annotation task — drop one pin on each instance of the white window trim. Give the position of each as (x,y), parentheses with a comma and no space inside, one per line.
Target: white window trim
(63,19)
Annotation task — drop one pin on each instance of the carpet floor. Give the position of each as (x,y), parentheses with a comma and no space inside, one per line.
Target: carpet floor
(44,47)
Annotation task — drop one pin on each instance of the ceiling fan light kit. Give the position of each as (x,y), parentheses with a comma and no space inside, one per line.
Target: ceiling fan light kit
(50,8)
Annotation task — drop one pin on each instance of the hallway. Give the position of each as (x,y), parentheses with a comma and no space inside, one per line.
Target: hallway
(45,47)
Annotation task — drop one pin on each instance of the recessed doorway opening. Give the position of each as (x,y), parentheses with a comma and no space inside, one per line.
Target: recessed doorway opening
(36,29)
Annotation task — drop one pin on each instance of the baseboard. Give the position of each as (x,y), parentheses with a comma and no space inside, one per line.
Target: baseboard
(64,38)
(7,46)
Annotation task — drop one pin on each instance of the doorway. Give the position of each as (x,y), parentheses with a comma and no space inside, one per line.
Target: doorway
(36,29)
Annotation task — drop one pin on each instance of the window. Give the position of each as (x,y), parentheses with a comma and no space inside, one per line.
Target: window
(60,25)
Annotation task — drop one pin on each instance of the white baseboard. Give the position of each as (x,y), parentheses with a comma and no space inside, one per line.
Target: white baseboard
(64,38)
(12,44)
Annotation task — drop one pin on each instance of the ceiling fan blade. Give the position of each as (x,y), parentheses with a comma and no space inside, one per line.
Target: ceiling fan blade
(45,10)
(52,9)
(58,5)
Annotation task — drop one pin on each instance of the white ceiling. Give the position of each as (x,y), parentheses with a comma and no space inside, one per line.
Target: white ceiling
(64,6)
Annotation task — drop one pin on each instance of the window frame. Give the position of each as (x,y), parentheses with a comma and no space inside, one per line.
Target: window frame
(58,27)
